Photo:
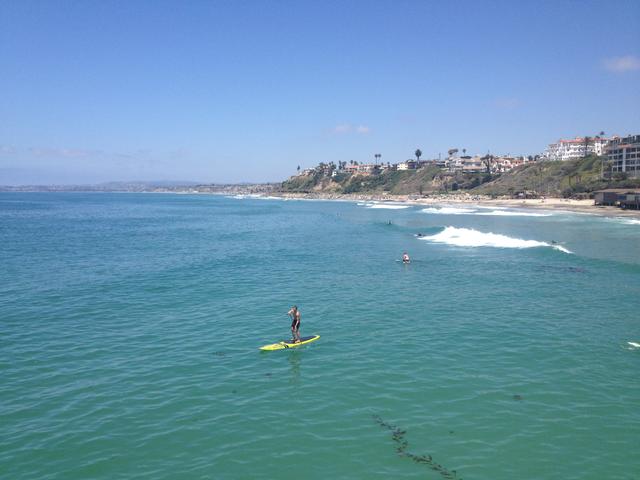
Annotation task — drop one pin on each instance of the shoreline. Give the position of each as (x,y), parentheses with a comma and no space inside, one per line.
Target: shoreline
(552,203)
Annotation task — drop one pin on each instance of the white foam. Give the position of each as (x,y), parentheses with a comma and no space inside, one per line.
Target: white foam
(631,221)
(634,344)
(268,197)
(511,213)
(490,207)
(387,206)
(449,210)
(467,237)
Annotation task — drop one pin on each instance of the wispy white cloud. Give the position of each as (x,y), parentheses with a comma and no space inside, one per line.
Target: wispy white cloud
(624,64)
(346,128)
(7,150)
(61,152)
(342,128)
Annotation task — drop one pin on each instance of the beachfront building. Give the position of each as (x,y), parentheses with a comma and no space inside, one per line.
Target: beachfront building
(576,148)
(620,197)
(624,155)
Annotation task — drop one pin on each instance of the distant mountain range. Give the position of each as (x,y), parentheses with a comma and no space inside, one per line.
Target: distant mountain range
(160,186)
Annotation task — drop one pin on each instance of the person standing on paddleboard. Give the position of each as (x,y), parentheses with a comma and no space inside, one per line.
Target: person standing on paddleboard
(294,313)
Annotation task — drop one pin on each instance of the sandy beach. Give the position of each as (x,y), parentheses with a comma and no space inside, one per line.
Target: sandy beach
(566,204)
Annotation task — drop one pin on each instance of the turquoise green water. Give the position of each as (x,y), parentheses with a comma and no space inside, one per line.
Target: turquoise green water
(130,327)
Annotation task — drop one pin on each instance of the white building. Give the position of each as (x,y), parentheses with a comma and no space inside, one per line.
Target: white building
(575,148)
(472,165)
(408,165)
(624,154)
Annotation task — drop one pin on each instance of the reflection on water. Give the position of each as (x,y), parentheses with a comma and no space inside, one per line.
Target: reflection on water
(294,362)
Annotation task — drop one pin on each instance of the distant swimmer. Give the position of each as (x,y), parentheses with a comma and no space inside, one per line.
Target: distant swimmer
(419,234)
(294,313)
(405,258)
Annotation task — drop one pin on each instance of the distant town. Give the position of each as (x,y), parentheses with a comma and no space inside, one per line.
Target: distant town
(615,163)
(622,155)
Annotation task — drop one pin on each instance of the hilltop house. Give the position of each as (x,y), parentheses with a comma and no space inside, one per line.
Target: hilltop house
(407,165)
(575,148)
(624,154)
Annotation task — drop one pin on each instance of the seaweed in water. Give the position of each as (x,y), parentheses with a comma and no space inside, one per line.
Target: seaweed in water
(402,445)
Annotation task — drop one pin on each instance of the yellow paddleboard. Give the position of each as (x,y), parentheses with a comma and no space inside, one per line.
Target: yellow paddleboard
(286,344)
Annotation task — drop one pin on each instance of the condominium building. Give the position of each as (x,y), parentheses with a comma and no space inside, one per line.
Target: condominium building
(575,148)
(624,154)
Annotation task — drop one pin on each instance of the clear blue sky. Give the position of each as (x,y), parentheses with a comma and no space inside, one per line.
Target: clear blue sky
(229,91)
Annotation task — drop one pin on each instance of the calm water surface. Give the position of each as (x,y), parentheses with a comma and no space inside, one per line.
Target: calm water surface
(130,327)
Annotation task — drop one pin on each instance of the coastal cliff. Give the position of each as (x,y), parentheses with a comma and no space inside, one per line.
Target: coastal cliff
(568,179)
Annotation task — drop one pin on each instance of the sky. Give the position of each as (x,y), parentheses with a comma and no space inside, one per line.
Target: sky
(245,91)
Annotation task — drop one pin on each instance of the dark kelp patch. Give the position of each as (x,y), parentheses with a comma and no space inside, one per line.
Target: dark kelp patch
(402,445)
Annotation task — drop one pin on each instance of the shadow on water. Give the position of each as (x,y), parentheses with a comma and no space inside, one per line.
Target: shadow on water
(294,363)
(402,446)
(561,269)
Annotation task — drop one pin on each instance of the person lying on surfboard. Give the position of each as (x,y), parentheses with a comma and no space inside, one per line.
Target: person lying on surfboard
(294,313)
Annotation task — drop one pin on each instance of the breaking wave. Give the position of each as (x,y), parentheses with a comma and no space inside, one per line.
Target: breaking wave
(631,221)
(385,206)
(467,237)
(511,213)
(495,211)
(449,210)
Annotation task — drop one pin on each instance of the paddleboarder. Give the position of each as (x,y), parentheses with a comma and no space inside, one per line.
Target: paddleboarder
(294,313)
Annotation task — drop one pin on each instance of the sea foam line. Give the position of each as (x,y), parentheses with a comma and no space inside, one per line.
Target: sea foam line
(386,206)
(467,237)
(629,221)
(495,211)
(511,213)
(448,210)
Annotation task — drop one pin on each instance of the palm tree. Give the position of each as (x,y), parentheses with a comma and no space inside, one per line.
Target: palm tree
(587,141)
(464,151)
(298,168)
(418,154)
(487,160)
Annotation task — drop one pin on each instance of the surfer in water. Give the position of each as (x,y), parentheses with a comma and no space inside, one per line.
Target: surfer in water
(294,313)
(405,258)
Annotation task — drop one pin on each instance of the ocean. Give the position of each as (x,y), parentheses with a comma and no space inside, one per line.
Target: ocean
(130,326)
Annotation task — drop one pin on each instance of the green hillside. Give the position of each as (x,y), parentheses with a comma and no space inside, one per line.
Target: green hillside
(572,178)
(426,180)
(560,178)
